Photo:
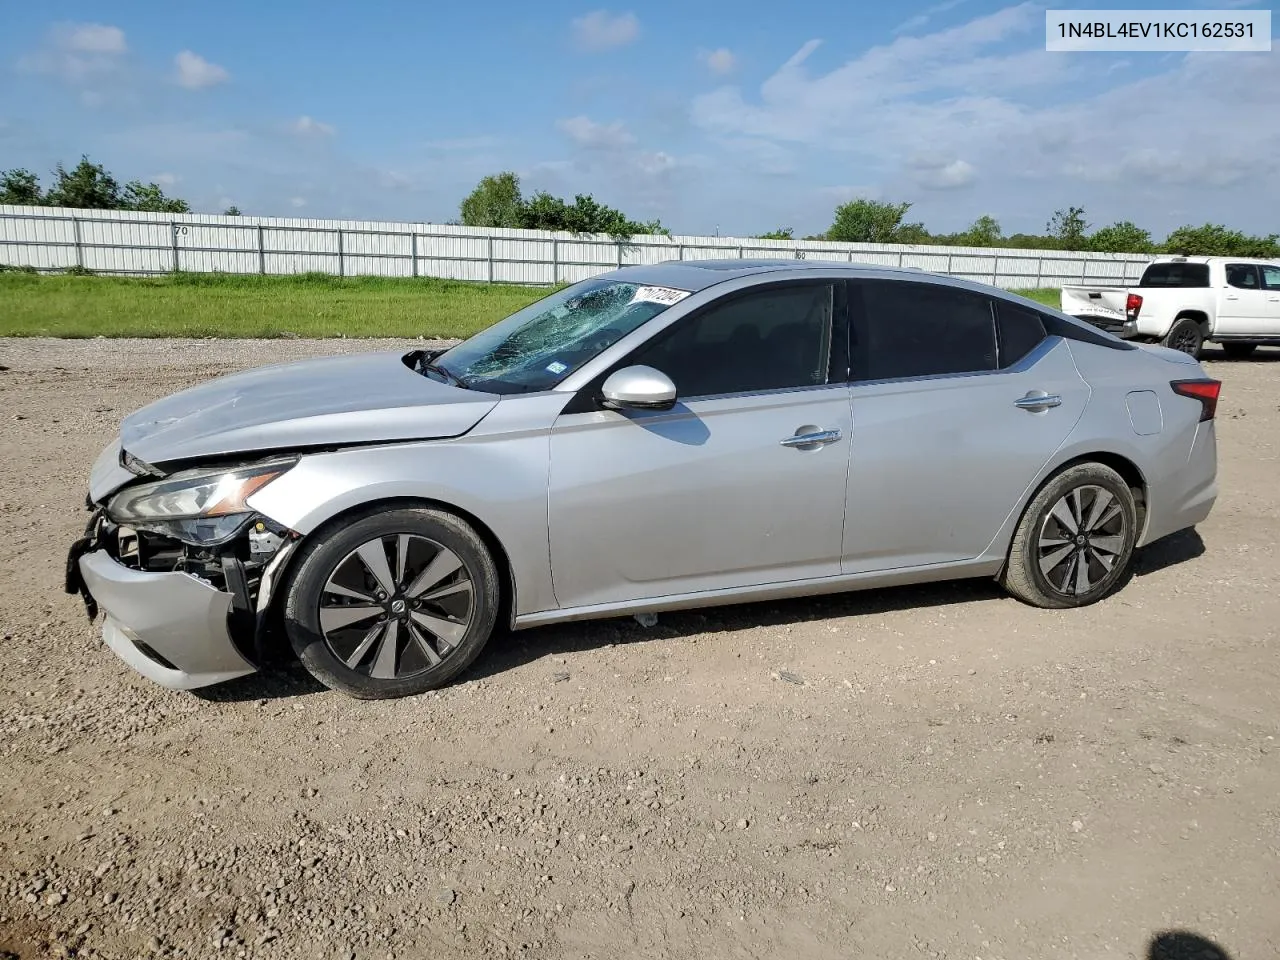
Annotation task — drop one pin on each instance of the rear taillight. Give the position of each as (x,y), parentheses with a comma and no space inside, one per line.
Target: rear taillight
(1206,391)
(1132,306)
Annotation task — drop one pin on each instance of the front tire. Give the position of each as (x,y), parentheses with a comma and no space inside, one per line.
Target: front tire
(392,603)
(1075,540)
(1186,336)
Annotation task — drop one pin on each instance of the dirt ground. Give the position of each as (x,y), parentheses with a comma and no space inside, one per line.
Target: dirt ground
(933,771)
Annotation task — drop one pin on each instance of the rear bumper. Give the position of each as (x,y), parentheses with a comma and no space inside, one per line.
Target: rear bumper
(1189,495)
(1125,329)
(170,627)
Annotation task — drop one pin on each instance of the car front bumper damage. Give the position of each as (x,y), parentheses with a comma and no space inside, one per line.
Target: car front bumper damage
(170,627)
(177,627)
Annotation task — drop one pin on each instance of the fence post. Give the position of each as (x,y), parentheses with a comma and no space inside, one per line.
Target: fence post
(75,225)
(949,264)
(679,251)
(173,243)
(342,269)
(1039,271)
(413,251)
(899,259)
(488,252)
(555,261)
(262,253)
(618,244)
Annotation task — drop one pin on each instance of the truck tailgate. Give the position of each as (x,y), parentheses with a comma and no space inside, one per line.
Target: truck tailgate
(1101,303)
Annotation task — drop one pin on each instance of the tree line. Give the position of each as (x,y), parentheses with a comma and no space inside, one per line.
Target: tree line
(873,221)
(89,186)
(497,201)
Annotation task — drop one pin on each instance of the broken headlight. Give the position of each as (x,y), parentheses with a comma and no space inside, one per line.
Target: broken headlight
(204,507)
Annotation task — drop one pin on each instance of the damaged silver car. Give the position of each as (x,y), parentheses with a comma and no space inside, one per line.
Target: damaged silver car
(655,438)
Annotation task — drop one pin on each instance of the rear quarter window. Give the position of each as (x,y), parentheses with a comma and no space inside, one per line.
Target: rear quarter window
(1175,275)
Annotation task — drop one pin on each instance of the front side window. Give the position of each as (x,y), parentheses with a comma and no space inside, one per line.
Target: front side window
(1175,274)
(1270,278)
(537,347)
(771,339)
(1242,275)
(919,330)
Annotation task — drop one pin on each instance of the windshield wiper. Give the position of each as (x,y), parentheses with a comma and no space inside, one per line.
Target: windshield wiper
(449,375)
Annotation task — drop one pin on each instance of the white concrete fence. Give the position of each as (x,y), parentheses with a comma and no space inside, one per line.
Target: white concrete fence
(125,242)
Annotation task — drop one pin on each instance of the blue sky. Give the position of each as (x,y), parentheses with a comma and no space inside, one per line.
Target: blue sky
(737,117)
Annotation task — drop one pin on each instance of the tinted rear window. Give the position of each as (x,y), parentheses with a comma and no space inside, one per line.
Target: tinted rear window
(1175,275)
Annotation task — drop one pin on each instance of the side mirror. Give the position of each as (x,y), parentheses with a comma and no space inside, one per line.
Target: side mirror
(638,388)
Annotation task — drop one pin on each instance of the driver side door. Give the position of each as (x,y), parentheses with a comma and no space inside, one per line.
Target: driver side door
(715,493)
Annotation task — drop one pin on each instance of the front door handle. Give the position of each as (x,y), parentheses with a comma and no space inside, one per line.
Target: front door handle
(817,438)
(1038,401)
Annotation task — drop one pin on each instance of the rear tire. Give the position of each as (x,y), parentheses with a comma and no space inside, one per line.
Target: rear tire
(1186,336)
(1084,516)
(1239,351)
(392,603)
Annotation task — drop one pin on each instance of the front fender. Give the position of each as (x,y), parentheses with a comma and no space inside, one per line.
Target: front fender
(499,479)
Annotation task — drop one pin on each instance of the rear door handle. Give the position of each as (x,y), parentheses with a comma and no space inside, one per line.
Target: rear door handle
(816,439)
(1036,402)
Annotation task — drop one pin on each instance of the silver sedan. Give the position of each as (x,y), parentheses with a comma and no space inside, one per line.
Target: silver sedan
(655,438)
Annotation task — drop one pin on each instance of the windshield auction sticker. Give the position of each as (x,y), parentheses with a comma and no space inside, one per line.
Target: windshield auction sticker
(1135,31)
(663,295)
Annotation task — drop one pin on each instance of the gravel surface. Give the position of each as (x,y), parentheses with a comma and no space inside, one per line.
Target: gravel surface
(933,771)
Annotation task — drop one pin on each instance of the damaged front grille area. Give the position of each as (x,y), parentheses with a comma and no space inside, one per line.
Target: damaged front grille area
(241,566)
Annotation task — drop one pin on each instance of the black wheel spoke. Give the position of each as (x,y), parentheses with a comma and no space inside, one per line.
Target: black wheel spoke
(1081,539)
(396,606)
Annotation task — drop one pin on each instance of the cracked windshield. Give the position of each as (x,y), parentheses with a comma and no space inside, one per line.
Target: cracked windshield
(542,344)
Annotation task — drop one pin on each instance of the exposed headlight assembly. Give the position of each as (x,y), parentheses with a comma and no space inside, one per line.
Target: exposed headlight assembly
(202,507)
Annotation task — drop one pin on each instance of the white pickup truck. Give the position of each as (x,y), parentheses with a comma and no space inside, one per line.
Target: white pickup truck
(1183,301)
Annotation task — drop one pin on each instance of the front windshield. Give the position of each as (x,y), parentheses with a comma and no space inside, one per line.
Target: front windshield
(542,344)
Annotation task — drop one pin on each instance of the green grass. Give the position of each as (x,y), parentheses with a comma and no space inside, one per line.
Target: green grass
(224,305)
(227,305)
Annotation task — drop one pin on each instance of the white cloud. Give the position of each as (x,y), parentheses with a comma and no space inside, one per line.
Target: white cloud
(720,61)
(602,30)
(309,127)
(600,136)
(166,179)
(78,52)
(297,202)
(934,173)
(922,19)
(195,72)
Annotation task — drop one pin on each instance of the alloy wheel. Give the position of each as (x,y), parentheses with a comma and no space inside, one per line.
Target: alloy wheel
(396,606)
(1081,538)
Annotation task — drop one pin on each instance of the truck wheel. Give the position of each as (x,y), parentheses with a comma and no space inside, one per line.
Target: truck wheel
(1238,351)
(1185,335)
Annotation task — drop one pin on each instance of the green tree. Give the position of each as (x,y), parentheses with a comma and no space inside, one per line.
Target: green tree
(867,221)
(1215,240)
(149,197)
(782,233)
(1121,237)
(231,211)
(983,232)
(87,186)
(1068,228)
(20,186)
(914,233)
(495,202)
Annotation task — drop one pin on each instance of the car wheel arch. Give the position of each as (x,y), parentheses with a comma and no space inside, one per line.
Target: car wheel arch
(1129,471)
(506,572)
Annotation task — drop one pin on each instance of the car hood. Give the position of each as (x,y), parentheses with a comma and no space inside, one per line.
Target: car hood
(365,398)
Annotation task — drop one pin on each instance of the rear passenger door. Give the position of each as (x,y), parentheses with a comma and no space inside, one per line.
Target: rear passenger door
(1242,303)
(957,406)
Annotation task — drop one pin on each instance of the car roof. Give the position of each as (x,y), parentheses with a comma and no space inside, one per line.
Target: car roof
(695,275)
(1174,259)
